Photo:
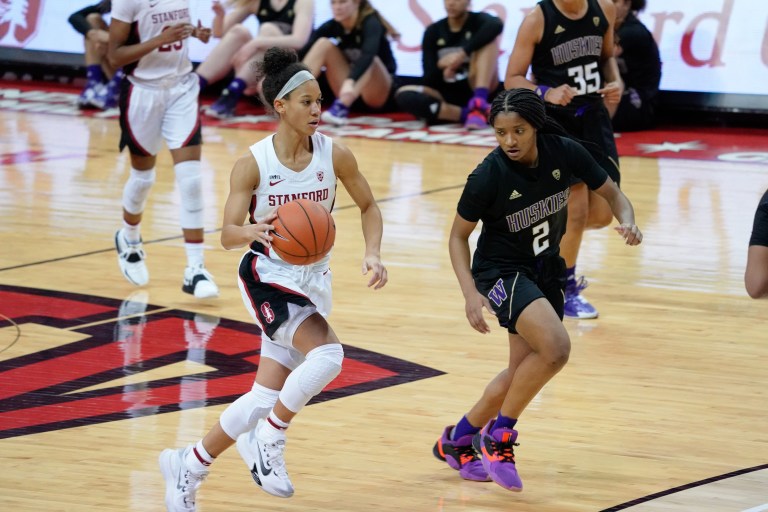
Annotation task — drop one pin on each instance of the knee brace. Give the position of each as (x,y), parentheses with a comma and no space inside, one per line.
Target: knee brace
(136,190)
(419,104)
(243,414)
(189,181)
(322,365)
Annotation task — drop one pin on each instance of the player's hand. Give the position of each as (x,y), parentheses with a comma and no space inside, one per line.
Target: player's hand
(261,231)
(378,272)
(611,93)
(474,309)
(630,233)
(218,8)
(561,95)
(176,33)
(453,60)
(202,33)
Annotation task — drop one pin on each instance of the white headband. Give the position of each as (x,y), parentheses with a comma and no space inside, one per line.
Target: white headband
(295,81)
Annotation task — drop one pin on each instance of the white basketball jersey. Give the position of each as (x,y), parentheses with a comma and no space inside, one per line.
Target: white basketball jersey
(279,185)
(149,18)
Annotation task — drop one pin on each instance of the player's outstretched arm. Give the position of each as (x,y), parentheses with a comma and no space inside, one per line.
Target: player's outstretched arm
(345,167)
(623,211)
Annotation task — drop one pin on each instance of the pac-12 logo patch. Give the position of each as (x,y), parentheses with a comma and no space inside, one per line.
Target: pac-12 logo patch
(69,360)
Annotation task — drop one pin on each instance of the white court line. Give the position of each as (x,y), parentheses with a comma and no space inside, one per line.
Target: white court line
(759,508)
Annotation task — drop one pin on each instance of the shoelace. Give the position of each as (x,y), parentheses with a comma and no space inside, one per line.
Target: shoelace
(578,285)
(466,453)
(274,452)
(193,483)
(506,450)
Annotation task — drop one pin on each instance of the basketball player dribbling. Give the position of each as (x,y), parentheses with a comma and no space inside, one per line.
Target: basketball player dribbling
(568,44)
(300,353)
(159,101)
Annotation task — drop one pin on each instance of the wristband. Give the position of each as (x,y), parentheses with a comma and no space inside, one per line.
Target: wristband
(541,91)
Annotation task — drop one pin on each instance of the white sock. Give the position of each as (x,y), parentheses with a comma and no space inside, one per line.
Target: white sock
(273,427)
(198,459)
(132,233)
(195,256)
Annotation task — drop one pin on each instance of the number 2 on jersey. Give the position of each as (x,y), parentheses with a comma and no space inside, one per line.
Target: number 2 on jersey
(586,78)
(540,240)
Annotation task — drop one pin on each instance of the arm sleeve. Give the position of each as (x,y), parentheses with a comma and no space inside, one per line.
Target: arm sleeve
(432,74)
(78,19)
(584,166)
(373,35)
(760,225)
(488,28)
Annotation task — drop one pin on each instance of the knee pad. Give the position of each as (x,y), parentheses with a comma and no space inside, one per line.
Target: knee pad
(419,104)
(189,181)
(243,414)
(136,190)
(322,365)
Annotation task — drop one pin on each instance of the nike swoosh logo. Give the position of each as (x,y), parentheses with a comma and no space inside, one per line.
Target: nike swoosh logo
(273,183)
(255,475)
(180,480)
(264,470)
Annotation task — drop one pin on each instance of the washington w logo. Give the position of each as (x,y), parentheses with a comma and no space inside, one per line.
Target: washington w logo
(81,360)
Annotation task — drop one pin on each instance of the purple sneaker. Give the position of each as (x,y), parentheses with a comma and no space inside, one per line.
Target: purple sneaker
(337,115)
(92,96)
(477,116)
(497,451)
(223,107)
(460,455)
(577,306)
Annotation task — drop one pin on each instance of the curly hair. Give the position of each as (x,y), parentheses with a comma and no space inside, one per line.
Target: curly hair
(278,66)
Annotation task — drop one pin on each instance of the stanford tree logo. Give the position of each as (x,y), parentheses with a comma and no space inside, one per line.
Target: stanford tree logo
(81,360)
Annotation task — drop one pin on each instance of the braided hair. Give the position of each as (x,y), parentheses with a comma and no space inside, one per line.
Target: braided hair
(530,107)
(523,101)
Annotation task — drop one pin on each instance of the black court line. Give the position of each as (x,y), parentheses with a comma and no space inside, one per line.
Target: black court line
(177,237)
(684,487)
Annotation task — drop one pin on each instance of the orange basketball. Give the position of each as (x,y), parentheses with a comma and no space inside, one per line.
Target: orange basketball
(304,232)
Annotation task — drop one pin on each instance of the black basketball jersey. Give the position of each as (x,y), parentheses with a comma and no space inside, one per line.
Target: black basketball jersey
(569,51)
(523,209)
(285,16)
(760,225)
(360,46)
(439,40)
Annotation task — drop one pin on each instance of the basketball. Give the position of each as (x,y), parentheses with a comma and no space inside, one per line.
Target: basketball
(304,232)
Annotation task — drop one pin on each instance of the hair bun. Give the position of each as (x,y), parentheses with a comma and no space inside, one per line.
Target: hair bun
(277,59)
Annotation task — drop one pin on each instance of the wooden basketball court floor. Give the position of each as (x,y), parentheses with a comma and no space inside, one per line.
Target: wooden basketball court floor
(662,406)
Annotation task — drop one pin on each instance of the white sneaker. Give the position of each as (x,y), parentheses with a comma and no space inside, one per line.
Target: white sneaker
(199,282)
(180,483)
(131,258)
(265,460)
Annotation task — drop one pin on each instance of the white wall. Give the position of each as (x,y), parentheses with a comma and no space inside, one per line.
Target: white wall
(716,46)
